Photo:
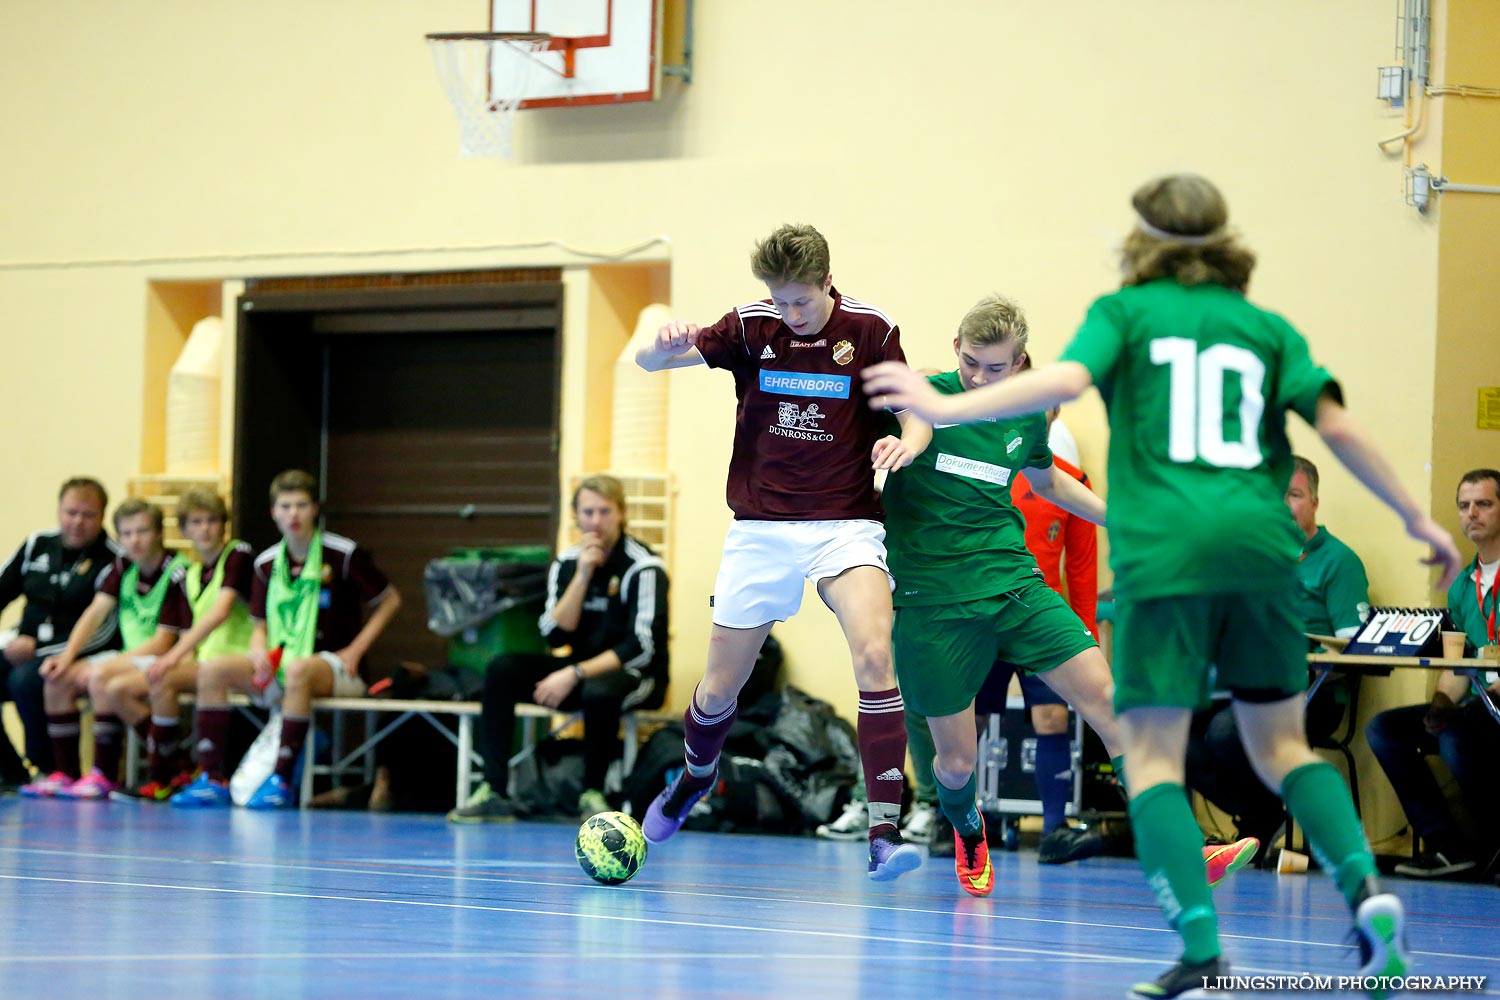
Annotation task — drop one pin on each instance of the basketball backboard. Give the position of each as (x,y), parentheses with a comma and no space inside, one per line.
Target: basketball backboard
(614,47)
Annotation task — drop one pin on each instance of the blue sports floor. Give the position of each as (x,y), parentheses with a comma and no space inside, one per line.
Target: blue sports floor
(132,900)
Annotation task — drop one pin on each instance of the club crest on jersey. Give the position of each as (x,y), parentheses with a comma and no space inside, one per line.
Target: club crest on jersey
(1053,530)
(1012,442)
(794,421)
(843,352)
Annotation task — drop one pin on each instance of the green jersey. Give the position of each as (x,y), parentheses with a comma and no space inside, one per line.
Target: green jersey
(952,533)
(1332,592)
(1473,606)
(1197,382)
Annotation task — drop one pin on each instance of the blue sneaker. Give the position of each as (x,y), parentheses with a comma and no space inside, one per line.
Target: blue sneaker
(272,794)
(202,792)
(669,809)
(890,856)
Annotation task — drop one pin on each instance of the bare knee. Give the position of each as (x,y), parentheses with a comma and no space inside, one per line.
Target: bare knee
(99,684)
(118,689)
(1049,720)
(213,680)
(873,666)
(953,767)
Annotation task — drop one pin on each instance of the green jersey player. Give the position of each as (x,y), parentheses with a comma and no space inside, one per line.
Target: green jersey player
(1197,382)
(967,588)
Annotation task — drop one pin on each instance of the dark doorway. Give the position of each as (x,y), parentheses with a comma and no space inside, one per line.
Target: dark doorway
(429,415)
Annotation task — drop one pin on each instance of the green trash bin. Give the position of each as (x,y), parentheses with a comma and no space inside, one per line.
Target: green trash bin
(513,630)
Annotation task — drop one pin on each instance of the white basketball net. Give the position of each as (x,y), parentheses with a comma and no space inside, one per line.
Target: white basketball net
(486,79)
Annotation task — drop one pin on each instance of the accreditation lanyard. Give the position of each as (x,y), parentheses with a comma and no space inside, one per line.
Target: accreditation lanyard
(1479,599)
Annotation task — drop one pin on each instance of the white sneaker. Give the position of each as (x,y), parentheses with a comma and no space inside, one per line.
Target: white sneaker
(854,824)
(919,824)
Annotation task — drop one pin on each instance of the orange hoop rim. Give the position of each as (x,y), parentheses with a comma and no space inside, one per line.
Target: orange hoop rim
(489,36)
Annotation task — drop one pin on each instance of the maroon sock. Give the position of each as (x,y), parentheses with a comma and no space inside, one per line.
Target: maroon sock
(293,735)
(108,742)
(143,727)
(161,749)
(213,734)
(882,752)
(63,729)
(703,738)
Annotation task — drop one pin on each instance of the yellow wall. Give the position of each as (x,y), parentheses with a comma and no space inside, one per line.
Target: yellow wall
(1468,294)
(993,151)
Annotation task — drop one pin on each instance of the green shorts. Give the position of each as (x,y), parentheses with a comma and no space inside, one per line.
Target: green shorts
(1175,651)
(945,651)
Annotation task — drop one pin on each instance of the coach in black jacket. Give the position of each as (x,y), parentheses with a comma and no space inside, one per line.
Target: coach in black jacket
(57,571)
(607,602)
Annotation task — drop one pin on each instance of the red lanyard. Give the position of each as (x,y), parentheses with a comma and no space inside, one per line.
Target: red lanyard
(1479,598)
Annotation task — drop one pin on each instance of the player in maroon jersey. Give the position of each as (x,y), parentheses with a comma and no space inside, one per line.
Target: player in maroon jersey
(801,485)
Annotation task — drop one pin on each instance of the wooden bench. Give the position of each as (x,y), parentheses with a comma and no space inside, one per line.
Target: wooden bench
(361,759)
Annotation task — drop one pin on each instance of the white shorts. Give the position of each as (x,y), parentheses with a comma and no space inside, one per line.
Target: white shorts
(345,684)
(765,564)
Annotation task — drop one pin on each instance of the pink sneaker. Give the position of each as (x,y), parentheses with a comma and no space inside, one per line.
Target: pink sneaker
(52,785)
(93,785)
(1219,860)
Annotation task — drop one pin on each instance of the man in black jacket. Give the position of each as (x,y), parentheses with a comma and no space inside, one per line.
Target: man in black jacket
(57,571)
(607,602)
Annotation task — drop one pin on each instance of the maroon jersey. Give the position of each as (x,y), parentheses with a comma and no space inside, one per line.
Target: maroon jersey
(175,614)
(239,570)
(351,582)
(803,432)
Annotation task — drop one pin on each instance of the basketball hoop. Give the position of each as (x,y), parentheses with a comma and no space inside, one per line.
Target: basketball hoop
(486,76)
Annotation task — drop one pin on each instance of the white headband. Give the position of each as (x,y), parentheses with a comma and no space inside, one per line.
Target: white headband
(1162,234)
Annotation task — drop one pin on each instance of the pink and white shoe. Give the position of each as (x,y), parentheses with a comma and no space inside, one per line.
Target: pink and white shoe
(93,785)
(51,786)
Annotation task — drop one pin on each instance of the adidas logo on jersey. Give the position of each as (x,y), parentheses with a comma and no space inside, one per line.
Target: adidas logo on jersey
(767,354)
(890,774)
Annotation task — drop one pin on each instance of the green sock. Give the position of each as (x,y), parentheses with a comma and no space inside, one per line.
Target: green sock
(1118,763)
(1170,848)
(919,744)
(1316,796)
(960,805)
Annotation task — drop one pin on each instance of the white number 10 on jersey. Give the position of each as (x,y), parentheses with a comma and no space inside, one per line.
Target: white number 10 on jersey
(1195,410)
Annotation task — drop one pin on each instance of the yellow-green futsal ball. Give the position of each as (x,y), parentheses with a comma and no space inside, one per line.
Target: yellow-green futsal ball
(611,848)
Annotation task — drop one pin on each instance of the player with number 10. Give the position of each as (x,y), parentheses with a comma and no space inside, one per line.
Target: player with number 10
(1197,382)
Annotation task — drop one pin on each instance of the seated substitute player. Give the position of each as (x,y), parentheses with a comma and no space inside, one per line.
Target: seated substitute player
(216,590)
(967,588)
(309,635)
(138,588)
(1197,382)
(803,494)
(607,602)
(58,572)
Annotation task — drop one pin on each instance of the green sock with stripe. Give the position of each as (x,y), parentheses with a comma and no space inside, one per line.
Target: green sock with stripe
(960,805)
(1170,848)
(1317,798)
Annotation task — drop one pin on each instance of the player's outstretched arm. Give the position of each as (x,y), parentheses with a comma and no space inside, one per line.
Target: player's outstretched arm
(891,452)
(1027,392)
(1067,493)
(675,346)
(1356,449)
